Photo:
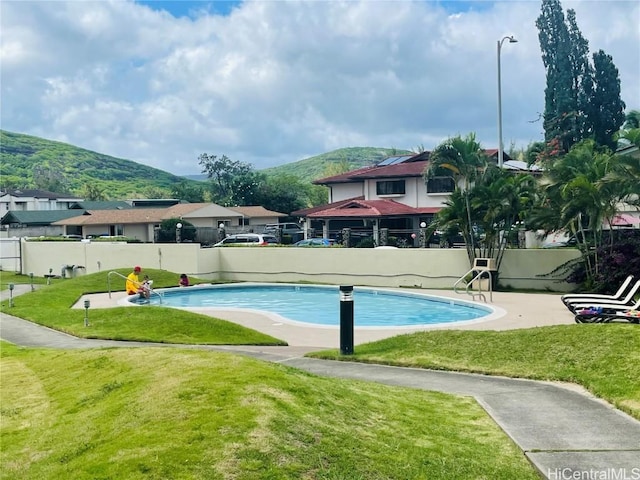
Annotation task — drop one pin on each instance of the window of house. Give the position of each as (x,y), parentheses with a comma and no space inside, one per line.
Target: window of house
(440,185)
(390,187)
(116,230)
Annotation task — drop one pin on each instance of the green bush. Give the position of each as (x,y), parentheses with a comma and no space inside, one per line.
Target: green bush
(365,243)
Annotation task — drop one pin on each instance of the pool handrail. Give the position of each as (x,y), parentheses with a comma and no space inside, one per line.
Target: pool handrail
(151,290)
(477,278)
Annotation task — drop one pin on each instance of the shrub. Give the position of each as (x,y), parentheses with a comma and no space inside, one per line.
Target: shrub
(615,262)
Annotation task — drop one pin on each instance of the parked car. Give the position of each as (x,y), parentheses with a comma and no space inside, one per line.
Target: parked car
(314,242)
(287,228)
(248,239)
(291,232)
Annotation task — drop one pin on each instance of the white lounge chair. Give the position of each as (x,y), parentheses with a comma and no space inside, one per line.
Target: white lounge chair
(604,308)
(625,302)
(625,316)
(577,297)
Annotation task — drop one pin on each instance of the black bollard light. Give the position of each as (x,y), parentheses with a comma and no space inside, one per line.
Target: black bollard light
(346,319)
(11,287)
(31,280)
(87,304)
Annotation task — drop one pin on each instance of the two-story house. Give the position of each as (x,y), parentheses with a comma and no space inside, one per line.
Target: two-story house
(391,195)
(34,200)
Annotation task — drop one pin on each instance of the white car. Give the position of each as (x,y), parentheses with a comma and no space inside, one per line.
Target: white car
(248,240)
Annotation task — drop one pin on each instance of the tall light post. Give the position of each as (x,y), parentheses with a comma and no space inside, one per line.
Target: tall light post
(511,39)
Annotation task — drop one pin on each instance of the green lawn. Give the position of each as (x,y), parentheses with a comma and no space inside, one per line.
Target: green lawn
(50,305)
(604,358)
(169,413)
(164,413)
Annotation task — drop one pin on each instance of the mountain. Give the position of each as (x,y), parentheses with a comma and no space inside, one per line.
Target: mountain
(32,162)
(334,162)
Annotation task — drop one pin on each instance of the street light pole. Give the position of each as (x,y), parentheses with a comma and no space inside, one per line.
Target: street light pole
(511,39)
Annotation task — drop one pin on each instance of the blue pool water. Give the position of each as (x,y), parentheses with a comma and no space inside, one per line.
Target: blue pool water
(321,305)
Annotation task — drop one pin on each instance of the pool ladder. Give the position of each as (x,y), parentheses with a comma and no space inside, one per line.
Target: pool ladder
(483,275)
(151,290)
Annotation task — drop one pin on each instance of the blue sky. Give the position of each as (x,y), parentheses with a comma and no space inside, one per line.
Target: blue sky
(279,81)
(190,8)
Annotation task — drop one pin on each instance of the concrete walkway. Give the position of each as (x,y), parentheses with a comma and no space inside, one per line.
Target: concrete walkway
(563,430)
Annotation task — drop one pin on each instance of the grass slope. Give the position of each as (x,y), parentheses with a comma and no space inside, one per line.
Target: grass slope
(51,306)
(604,358)
(164,413)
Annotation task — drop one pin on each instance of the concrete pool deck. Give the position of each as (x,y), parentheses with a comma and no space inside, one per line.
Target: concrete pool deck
(513,310)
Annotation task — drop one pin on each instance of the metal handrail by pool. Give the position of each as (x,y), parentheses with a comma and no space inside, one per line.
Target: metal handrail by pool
(151,291)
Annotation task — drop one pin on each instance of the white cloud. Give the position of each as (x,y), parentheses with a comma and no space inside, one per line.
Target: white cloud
(275,82)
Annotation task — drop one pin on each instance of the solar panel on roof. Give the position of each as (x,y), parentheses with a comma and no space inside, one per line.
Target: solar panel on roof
(393,160)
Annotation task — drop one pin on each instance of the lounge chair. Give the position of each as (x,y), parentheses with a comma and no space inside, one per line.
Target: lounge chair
(628,316)
(606,309)
(578,297)
(625,303)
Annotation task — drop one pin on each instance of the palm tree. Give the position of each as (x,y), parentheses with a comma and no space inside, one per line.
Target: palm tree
(632,120)
(578,199)
(501,202)
(626,172)
(463,160)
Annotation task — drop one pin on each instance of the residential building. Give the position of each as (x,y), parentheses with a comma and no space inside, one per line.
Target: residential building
(32,199)
(142,223)
(254,218)
(390,199)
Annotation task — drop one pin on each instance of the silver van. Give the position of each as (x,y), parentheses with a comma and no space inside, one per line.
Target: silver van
(248,240)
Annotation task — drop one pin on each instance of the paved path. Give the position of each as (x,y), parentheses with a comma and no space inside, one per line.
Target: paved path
(565,432)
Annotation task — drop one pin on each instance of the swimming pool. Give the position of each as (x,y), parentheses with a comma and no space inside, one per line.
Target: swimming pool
(320,305)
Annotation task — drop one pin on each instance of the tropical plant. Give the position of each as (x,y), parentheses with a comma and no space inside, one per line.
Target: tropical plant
(615,262)
(632,120)
(577,198)
(626,171)
(501,201)
(462,159)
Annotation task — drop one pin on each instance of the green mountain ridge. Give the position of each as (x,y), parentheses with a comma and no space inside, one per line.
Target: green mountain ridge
(342,159)
(32,162)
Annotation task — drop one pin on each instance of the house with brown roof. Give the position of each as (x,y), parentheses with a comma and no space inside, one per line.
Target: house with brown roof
(255,217)
(390,199)
(142,223)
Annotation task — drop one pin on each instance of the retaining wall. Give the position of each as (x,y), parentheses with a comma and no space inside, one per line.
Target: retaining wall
(404,267)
